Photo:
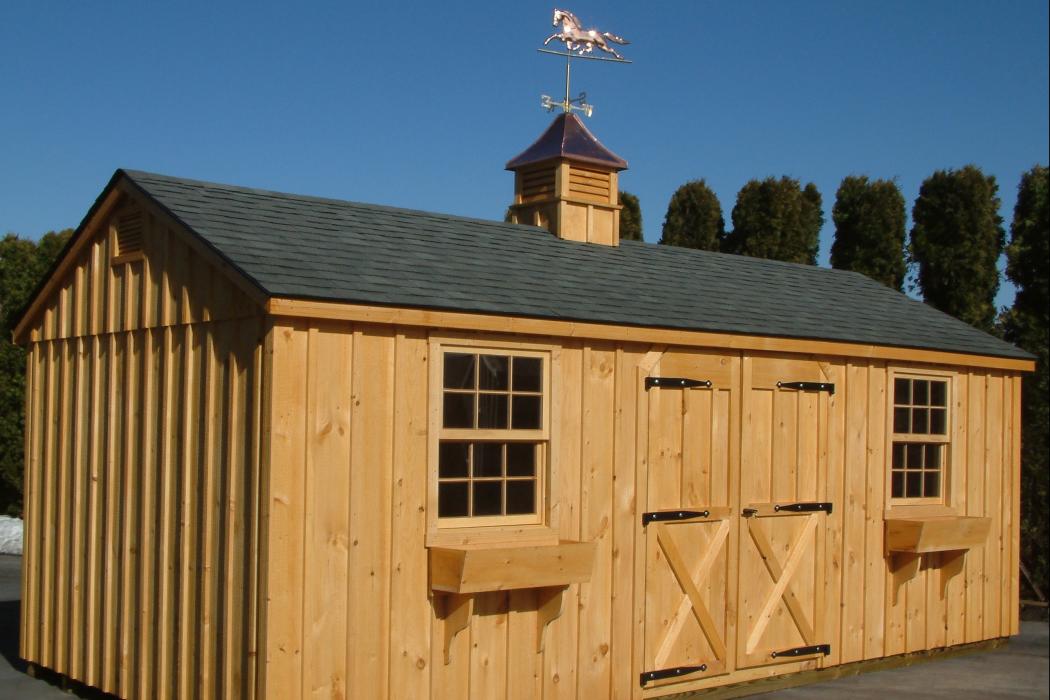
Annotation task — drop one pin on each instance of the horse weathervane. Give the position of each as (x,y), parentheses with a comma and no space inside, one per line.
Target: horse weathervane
(579,43)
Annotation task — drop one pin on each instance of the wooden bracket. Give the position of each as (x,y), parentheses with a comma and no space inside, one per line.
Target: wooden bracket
(904,566)
(951,565)
(549,607)
(454,612)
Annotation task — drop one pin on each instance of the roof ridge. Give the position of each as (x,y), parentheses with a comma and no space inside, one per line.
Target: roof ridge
(306,198)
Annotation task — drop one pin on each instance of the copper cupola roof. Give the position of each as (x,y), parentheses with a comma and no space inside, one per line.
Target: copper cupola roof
(568,138)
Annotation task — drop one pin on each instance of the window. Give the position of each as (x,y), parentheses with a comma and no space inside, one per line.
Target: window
(492,437)
(920,438)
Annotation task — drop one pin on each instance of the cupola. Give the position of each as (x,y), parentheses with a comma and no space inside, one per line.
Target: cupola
(566,182)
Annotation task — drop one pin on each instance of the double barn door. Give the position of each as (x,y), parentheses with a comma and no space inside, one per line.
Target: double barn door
(735,517)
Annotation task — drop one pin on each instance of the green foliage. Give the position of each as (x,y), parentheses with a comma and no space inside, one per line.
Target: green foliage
(869,230)
(956,239)
(22,265)
(694,218)
(777,219)
(1027,325)
(630,217)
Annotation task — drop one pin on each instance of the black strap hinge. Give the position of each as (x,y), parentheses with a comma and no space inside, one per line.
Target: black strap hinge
(650,676)
(808,386)
(824,649)
(660,516)
(676,383)
(804,507)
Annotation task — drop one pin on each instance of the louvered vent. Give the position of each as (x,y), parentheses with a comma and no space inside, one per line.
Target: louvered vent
(130,230)
(538,184)
(590,185)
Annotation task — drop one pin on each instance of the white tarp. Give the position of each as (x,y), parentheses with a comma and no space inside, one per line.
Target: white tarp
(10,535)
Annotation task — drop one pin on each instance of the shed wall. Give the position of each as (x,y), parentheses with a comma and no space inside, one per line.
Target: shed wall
(347,612)
(143,405)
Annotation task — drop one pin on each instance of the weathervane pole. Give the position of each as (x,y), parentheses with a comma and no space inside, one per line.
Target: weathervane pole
(567,105)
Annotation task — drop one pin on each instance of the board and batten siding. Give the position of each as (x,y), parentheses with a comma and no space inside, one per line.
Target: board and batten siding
(346,608)
(143,402)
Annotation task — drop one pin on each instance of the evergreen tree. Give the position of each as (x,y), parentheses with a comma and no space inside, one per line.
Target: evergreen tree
(956,239)
(630,217)
(777,219)
(22,265)
(694,218)
(869,230)
(1028,325)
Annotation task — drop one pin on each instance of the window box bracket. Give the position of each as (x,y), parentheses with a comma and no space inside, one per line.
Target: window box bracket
(942,539)
(458,574)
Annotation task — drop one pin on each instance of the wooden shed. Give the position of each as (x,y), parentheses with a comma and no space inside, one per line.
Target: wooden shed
(283,447)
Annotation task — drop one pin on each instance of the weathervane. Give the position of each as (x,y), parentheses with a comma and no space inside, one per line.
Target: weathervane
(579,43)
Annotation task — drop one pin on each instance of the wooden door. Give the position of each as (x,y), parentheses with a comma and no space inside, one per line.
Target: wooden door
(687,522)
(783,512)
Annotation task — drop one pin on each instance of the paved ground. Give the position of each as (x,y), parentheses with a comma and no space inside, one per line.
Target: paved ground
(1019,670)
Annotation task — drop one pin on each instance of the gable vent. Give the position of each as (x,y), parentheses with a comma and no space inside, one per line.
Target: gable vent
(130,229)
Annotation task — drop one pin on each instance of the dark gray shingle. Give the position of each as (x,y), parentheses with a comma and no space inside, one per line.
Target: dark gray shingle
(306,247)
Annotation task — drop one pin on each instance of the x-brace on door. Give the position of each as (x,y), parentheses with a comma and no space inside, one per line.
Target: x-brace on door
(687,523)
(784,512)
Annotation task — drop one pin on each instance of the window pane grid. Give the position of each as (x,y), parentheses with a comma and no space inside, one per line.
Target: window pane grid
(920,427)
(496,392)
(480,492)
(920,406)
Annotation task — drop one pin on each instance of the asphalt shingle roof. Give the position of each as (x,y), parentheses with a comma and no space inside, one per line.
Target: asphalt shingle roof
(311,248)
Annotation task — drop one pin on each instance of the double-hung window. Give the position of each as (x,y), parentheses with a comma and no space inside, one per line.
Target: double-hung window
(492,436)
(920,440)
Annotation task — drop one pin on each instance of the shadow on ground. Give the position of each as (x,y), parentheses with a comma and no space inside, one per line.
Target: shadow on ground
(10,631)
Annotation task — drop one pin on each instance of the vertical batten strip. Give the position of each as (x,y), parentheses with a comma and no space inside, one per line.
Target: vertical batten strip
(955,595)
(110,569)
(371,469)
(326,515)
(1015,507)
(147,565)
(187,617)
(81,439)
(975,506)
(96,515)
(255,568)
(853,516)
(597,461)
(623,516)
(560,671)
(834,590)
(63,468)
(208,571)
(1006,510)
(48,494)
(129,504)
(410,613)
(874,502)
(168,510)
(30,562)
(287,353)
(993,466)
(233,586)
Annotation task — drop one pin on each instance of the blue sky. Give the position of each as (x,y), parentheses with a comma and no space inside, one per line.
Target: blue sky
(419,105)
